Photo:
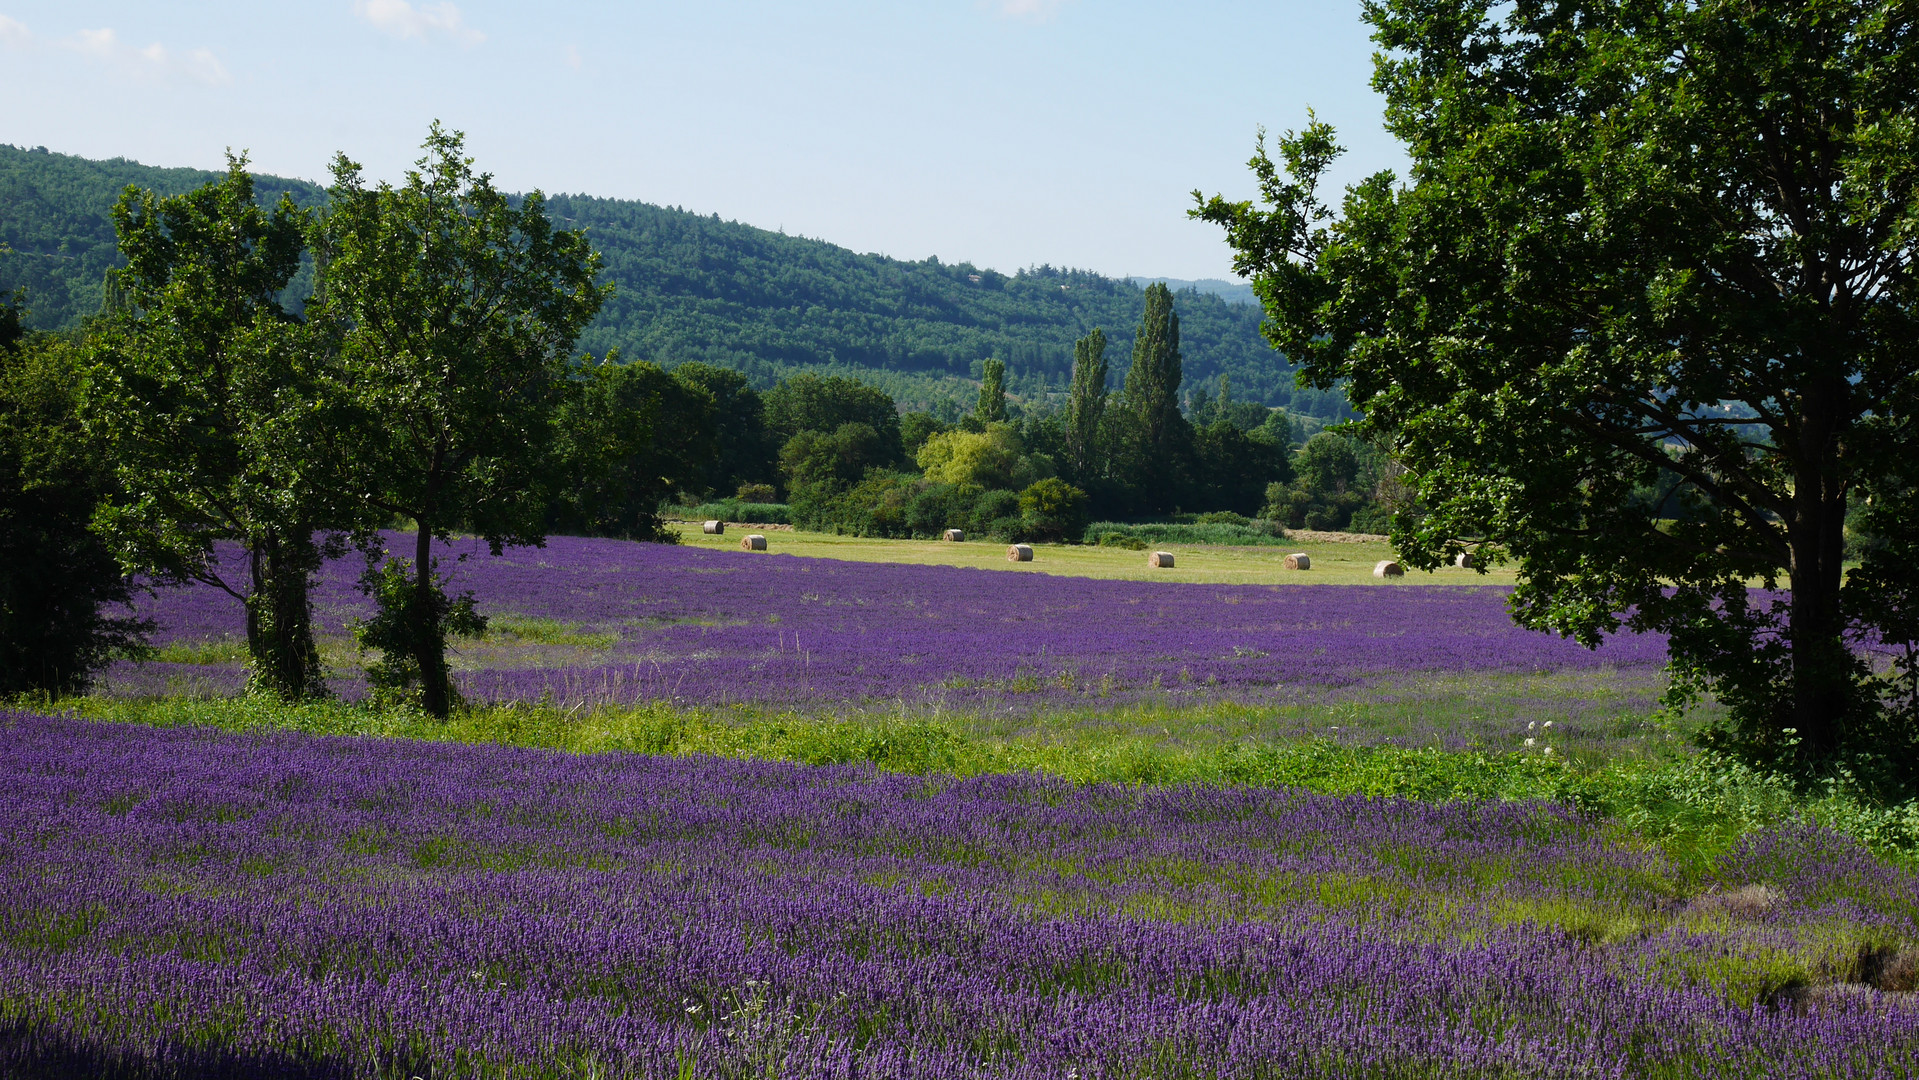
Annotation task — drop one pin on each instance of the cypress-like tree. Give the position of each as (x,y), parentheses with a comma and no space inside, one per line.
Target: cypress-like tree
(992,392)
(1087,403)
(1152,383)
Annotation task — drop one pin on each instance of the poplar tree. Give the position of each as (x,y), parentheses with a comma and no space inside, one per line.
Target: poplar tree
(1086,404)
(1157,436)
(992,392)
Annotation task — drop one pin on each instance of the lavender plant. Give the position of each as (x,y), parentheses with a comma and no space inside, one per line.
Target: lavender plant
(182,902)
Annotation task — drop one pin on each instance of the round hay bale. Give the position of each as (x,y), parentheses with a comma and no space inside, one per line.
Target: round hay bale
(1019,553)
(713,528)
(954,535)
(1162,560)
(1466,560)
(1386,568)
(753,542)
(1299,561)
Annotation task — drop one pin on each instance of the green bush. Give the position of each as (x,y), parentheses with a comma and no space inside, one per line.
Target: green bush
(1053,509)
(1253,533)
(759,513)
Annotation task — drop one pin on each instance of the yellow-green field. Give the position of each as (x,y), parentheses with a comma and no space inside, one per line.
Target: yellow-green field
(1341,563)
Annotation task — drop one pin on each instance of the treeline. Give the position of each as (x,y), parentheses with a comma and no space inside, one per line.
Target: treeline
(693,288)
(847,457)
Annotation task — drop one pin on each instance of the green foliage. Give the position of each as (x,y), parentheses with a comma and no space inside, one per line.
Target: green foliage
(1086,406)
(1154,439)
(808,402)
(205,390)
(406,606)
(694,288)
(1215,528)
(916,428)
(760,513)
(743,451)
(834,458)
(1053,510)
(992,392)
(629,436)
(1335,476)
(990,458)
(453,313)
(57,579)
(1658,242)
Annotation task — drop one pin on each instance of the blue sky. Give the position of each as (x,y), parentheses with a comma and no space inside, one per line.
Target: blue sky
(1003,132)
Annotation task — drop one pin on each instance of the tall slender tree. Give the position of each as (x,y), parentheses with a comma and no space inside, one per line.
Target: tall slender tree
(1158,435)
(1086,404)
(199,383)
(992,392)
(454,314)
(1151,392)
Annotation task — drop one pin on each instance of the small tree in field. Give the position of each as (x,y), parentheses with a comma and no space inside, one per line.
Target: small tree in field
(1644,317)
(454,314)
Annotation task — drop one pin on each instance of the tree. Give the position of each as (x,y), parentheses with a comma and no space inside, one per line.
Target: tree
(743,453)
(808,402)
(1053,510)
(57,578)
(201,384)
(1085,403)
(992,392)
(628,436)
(1652,244)
(453,313)
(1159,435)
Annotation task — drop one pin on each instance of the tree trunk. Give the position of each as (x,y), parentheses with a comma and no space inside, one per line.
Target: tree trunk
(429,645)
(286,662)
(1822,678)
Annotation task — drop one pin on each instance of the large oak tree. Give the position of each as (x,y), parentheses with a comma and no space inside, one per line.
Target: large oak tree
(1641,317)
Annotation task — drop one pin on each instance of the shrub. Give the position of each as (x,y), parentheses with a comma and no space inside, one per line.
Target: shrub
(1053,510)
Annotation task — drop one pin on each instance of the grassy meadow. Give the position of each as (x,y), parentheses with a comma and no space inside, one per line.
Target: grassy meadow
(1334,562)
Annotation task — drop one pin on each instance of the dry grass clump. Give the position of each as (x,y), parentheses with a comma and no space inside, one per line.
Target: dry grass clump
(1745,902)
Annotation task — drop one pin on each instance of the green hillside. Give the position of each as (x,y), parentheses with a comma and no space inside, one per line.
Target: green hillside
(699,288)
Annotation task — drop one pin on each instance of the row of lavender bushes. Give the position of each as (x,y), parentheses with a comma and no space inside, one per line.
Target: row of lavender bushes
(188,902)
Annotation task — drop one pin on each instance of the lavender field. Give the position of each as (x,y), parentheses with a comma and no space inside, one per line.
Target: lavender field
(604,621)
(190,903)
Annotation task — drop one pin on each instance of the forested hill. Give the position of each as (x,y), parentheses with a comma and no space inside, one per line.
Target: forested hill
(699,288)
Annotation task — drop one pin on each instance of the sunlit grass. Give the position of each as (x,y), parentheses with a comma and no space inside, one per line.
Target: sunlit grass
(1333,563)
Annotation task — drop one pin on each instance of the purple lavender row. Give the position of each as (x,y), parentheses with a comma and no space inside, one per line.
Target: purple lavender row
(711,627)
(359,907)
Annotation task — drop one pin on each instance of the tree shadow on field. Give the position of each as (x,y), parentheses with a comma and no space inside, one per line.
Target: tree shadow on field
(34,1052)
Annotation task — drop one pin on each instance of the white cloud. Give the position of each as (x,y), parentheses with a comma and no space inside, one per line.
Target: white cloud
(1035,10)
(152,62)
(13,33)
(403,20)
